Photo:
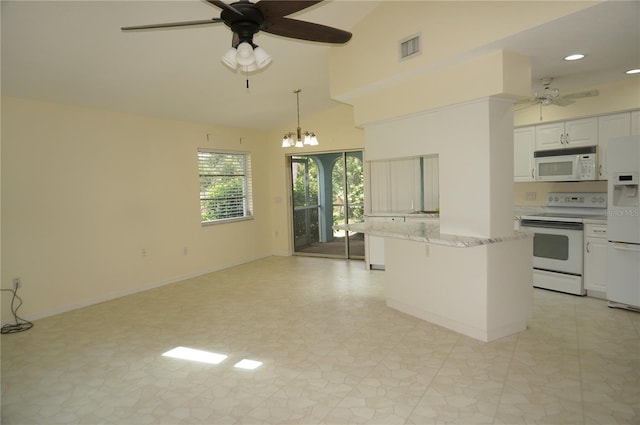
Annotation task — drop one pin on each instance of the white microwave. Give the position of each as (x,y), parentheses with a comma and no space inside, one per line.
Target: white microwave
(573,164)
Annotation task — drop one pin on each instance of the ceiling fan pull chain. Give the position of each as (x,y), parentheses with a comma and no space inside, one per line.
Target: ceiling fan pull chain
(541,112)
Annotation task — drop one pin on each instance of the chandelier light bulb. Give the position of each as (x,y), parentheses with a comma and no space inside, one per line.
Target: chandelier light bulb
(313,140)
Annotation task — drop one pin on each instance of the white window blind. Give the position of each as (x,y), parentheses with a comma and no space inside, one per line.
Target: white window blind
(225,185)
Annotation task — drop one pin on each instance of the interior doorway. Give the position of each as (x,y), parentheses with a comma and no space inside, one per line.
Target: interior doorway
(327,190)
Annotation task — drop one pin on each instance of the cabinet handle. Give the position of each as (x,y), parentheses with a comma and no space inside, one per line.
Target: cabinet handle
(566,138)
(600,170)
(562,139)
(587,247)
(533,175)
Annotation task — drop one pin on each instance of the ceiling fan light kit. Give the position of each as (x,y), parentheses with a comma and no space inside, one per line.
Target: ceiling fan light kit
(296,139)
(246,19)
(246,57)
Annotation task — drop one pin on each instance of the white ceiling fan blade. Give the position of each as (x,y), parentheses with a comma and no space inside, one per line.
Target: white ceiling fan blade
(529,101)
(562,101)
(579,95)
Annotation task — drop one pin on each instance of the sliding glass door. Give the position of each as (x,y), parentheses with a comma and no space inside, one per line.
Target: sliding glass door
(327,190)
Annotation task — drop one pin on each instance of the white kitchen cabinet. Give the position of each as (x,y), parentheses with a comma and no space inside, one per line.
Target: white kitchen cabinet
(549,136)
(524,144)
(610,126)
(635,123)
(595,259)
(568,134)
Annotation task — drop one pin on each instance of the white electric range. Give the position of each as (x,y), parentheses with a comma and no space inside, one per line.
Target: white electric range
(558,241)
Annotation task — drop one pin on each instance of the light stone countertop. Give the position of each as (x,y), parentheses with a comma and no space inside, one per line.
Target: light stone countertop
(403,214)
(428,232)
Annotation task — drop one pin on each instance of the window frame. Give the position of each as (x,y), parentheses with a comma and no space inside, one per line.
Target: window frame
(247,185)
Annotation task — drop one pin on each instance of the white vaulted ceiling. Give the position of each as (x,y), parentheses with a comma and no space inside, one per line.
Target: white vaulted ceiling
(73,52)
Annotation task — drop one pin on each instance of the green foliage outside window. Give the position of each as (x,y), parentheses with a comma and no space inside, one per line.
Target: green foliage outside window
(224,185)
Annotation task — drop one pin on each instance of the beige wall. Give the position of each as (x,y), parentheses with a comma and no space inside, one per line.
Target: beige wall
(457,39)
(84,191)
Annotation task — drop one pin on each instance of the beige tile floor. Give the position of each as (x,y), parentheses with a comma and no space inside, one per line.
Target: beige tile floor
(332,353)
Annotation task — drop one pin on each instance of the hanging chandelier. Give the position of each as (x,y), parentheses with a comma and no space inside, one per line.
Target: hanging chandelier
(296,139)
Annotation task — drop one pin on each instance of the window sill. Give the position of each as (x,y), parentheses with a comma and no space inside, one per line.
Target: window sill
(225,220)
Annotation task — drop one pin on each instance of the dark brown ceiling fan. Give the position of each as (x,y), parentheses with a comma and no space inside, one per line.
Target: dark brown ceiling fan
(246,19)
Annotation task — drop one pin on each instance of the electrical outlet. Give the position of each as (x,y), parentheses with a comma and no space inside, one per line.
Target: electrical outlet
(531,196)
(16,283)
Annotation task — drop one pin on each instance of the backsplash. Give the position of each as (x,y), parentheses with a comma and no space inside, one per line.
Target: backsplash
(535,193)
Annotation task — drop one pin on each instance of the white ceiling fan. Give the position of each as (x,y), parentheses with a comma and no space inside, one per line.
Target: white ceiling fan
(551,95)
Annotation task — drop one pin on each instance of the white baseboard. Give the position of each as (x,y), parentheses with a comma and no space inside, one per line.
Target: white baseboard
(142,288)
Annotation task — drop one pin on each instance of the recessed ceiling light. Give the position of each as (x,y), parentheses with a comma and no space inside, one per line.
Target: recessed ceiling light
(634,71)
(574,57)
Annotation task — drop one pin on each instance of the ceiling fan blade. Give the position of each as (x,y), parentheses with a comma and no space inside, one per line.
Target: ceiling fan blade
(279,8)
(562,101)
(529,101)
(579,95)
(224,6)
(303,30)
(172,24)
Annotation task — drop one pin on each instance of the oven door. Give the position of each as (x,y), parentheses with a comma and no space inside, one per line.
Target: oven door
(557,245)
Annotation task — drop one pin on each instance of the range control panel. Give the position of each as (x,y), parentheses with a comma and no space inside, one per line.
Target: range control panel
(577,199)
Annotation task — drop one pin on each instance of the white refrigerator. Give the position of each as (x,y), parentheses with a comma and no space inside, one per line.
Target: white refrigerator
(623,223)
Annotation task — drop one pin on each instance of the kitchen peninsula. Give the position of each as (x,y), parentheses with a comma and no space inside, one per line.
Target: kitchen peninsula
(469,272)
(434,276)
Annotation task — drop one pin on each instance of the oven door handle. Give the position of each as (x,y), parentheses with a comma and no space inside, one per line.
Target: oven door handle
(626,247)
(568,225)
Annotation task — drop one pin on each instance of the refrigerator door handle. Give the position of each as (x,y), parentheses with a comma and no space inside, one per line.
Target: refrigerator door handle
(626,247)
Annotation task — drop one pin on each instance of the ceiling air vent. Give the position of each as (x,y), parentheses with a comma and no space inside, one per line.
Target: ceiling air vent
(410,47)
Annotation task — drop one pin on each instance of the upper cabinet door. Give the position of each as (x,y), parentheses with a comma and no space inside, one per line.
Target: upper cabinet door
(524,143)
(609,127)
(582,132)
(549,136)
(570,134)
(635,123)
